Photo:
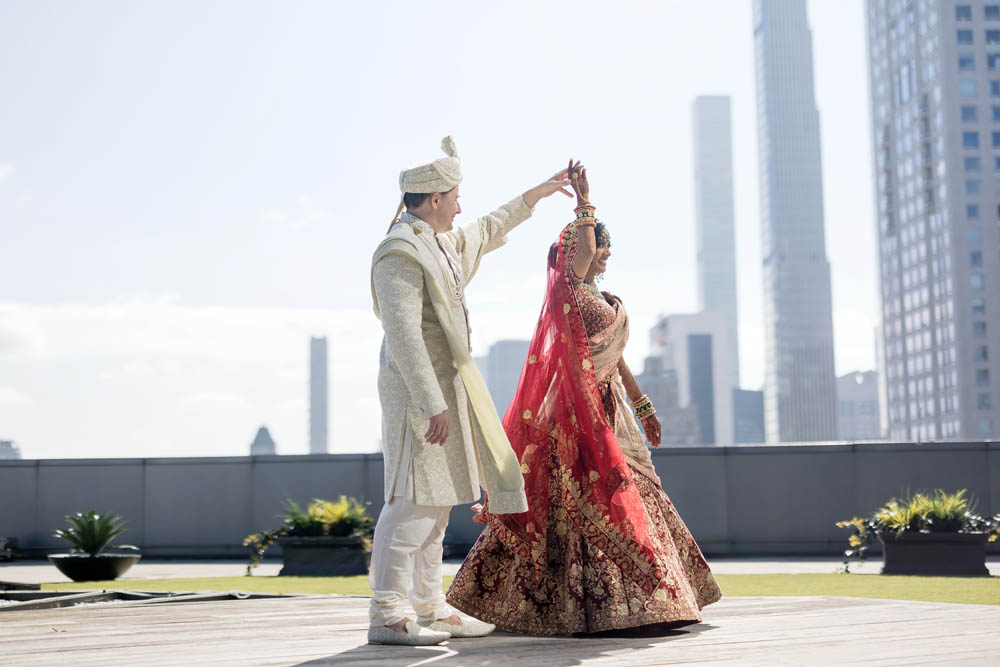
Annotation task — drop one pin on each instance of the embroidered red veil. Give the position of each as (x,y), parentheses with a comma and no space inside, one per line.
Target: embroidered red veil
(557,411)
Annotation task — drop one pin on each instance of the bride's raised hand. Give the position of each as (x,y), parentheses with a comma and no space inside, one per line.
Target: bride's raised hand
(578,178)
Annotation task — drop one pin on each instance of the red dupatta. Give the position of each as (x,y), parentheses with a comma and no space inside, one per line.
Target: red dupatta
(557,410)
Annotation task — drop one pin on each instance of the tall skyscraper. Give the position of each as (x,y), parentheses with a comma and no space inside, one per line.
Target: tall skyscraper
(934,72)
(695,347)
(678,425)
(799,384)
(318,398)
(713,210)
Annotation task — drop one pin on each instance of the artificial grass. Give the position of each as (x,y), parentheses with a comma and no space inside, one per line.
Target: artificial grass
(969,590)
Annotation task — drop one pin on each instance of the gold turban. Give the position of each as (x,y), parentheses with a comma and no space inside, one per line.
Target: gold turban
(441,175)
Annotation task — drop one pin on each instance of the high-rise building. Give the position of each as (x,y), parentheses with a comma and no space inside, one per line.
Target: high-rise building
(318,396)
(262,443)
(696,348)
(503,371)
(748,415)
(799,382)
(713,212)
(857,397)
(8,450)
(934,71)
(678,425)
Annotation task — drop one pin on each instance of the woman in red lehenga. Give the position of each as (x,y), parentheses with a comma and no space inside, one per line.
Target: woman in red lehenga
(601,546)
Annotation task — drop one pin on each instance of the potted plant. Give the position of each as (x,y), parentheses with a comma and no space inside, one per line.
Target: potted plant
(926,533)
(91,535)
(328,538)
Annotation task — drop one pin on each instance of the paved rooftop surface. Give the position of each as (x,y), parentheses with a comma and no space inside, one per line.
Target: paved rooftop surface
(330,630)
(37,571)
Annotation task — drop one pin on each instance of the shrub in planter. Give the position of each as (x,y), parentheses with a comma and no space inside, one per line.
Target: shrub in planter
(925,533)
(326,538)
(91,535)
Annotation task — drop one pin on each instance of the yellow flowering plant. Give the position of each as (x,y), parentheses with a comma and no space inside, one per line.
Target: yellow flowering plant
(922,512)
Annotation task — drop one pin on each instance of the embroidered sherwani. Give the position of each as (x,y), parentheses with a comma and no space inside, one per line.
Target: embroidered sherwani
(418,377)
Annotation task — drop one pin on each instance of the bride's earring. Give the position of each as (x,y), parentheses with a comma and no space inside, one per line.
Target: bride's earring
(598,278)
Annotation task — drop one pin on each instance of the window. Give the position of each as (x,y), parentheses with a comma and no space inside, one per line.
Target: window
(971,163)
(966,62)
(993,61)
(970,139)
(975,259)
(996,114)
(967,88)
(985,427)
(976,281)
(993,36)
(995,88)
(983,401)
(963,12)
(963,36)
(972,211)
(973,186)
(982,354)
(996,140)
(992,12)
(970,114)
(982,378)
(974,234)
(979,329)
(978,306)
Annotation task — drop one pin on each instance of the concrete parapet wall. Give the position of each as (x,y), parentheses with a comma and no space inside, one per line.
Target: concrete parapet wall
(773,499)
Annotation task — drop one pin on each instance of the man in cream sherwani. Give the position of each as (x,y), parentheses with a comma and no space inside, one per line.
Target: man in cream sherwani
(441,435)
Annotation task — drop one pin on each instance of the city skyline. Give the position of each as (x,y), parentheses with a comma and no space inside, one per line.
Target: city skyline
(181,279)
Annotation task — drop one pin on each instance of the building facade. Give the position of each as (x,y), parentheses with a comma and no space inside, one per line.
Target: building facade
(934,71)
(503,371)
(318,396)
(748,416)
(799,383)
(8,450)
(713,211)
(857,400)
(696,348)
(678,425)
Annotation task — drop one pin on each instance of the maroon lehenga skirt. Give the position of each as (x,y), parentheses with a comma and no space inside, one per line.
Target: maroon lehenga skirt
(582,590)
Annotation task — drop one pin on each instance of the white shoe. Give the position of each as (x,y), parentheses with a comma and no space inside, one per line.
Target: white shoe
(415,635)
(470,627)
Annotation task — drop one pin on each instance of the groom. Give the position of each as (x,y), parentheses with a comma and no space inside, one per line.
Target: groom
(441,436)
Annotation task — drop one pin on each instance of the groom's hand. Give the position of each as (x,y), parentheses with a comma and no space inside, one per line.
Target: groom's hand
(437,433)
(557,183)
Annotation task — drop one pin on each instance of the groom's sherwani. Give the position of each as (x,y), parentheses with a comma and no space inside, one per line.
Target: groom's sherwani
(418,283)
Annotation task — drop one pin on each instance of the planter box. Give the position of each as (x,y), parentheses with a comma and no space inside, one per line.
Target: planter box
(934,553)
(323,556)
(98,568)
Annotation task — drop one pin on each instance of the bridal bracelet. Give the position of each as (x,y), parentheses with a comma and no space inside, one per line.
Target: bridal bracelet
(585,215)
(643,407)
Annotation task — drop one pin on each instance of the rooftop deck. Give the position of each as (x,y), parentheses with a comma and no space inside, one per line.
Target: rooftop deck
(330,630)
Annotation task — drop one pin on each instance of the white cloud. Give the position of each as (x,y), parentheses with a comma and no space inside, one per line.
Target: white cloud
(5,171)
(212,402)
(304,213)
(12,398)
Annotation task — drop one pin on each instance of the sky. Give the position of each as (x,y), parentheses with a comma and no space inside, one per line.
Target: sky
(190,190)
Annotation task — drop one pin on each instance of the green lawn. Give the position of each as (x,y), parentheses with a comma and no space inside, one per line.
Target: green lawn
(972,590)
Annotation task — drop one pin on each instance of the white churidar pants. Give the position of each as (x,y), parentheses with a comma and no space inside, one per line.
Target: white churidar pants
(407,549)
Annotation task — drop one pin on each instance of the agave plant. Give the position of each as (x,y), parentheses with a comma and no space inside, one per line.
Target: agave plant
(92,533)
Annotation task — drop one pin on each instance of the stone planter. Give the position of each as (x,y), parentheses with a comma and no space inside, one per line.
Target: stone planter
(323,556)
(934,553)
(104,567)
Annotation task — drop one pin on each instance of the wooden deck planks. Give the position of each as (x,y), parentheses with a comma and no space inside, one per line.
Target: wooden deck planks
(331,630)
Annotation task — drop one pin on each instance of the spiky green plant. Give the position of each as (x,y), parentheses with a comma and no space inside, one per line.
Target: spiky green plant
(340,518)
(920,512)
(92,533)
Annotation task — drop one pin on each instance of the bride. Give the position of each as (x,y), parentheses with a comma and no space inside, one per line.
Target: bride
(601,546)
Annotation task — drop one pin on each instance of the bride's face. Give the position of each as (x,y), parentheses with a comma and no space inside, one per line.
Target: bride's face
(600,261)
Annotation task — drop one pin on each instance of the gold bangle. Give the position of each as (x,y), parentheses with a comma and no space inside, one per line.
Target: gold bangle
(639,401)
(585,222)
(646,413)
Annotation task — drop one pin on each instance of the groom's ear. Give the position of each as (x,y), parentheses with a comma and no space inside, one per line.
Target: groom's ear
(435,199)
